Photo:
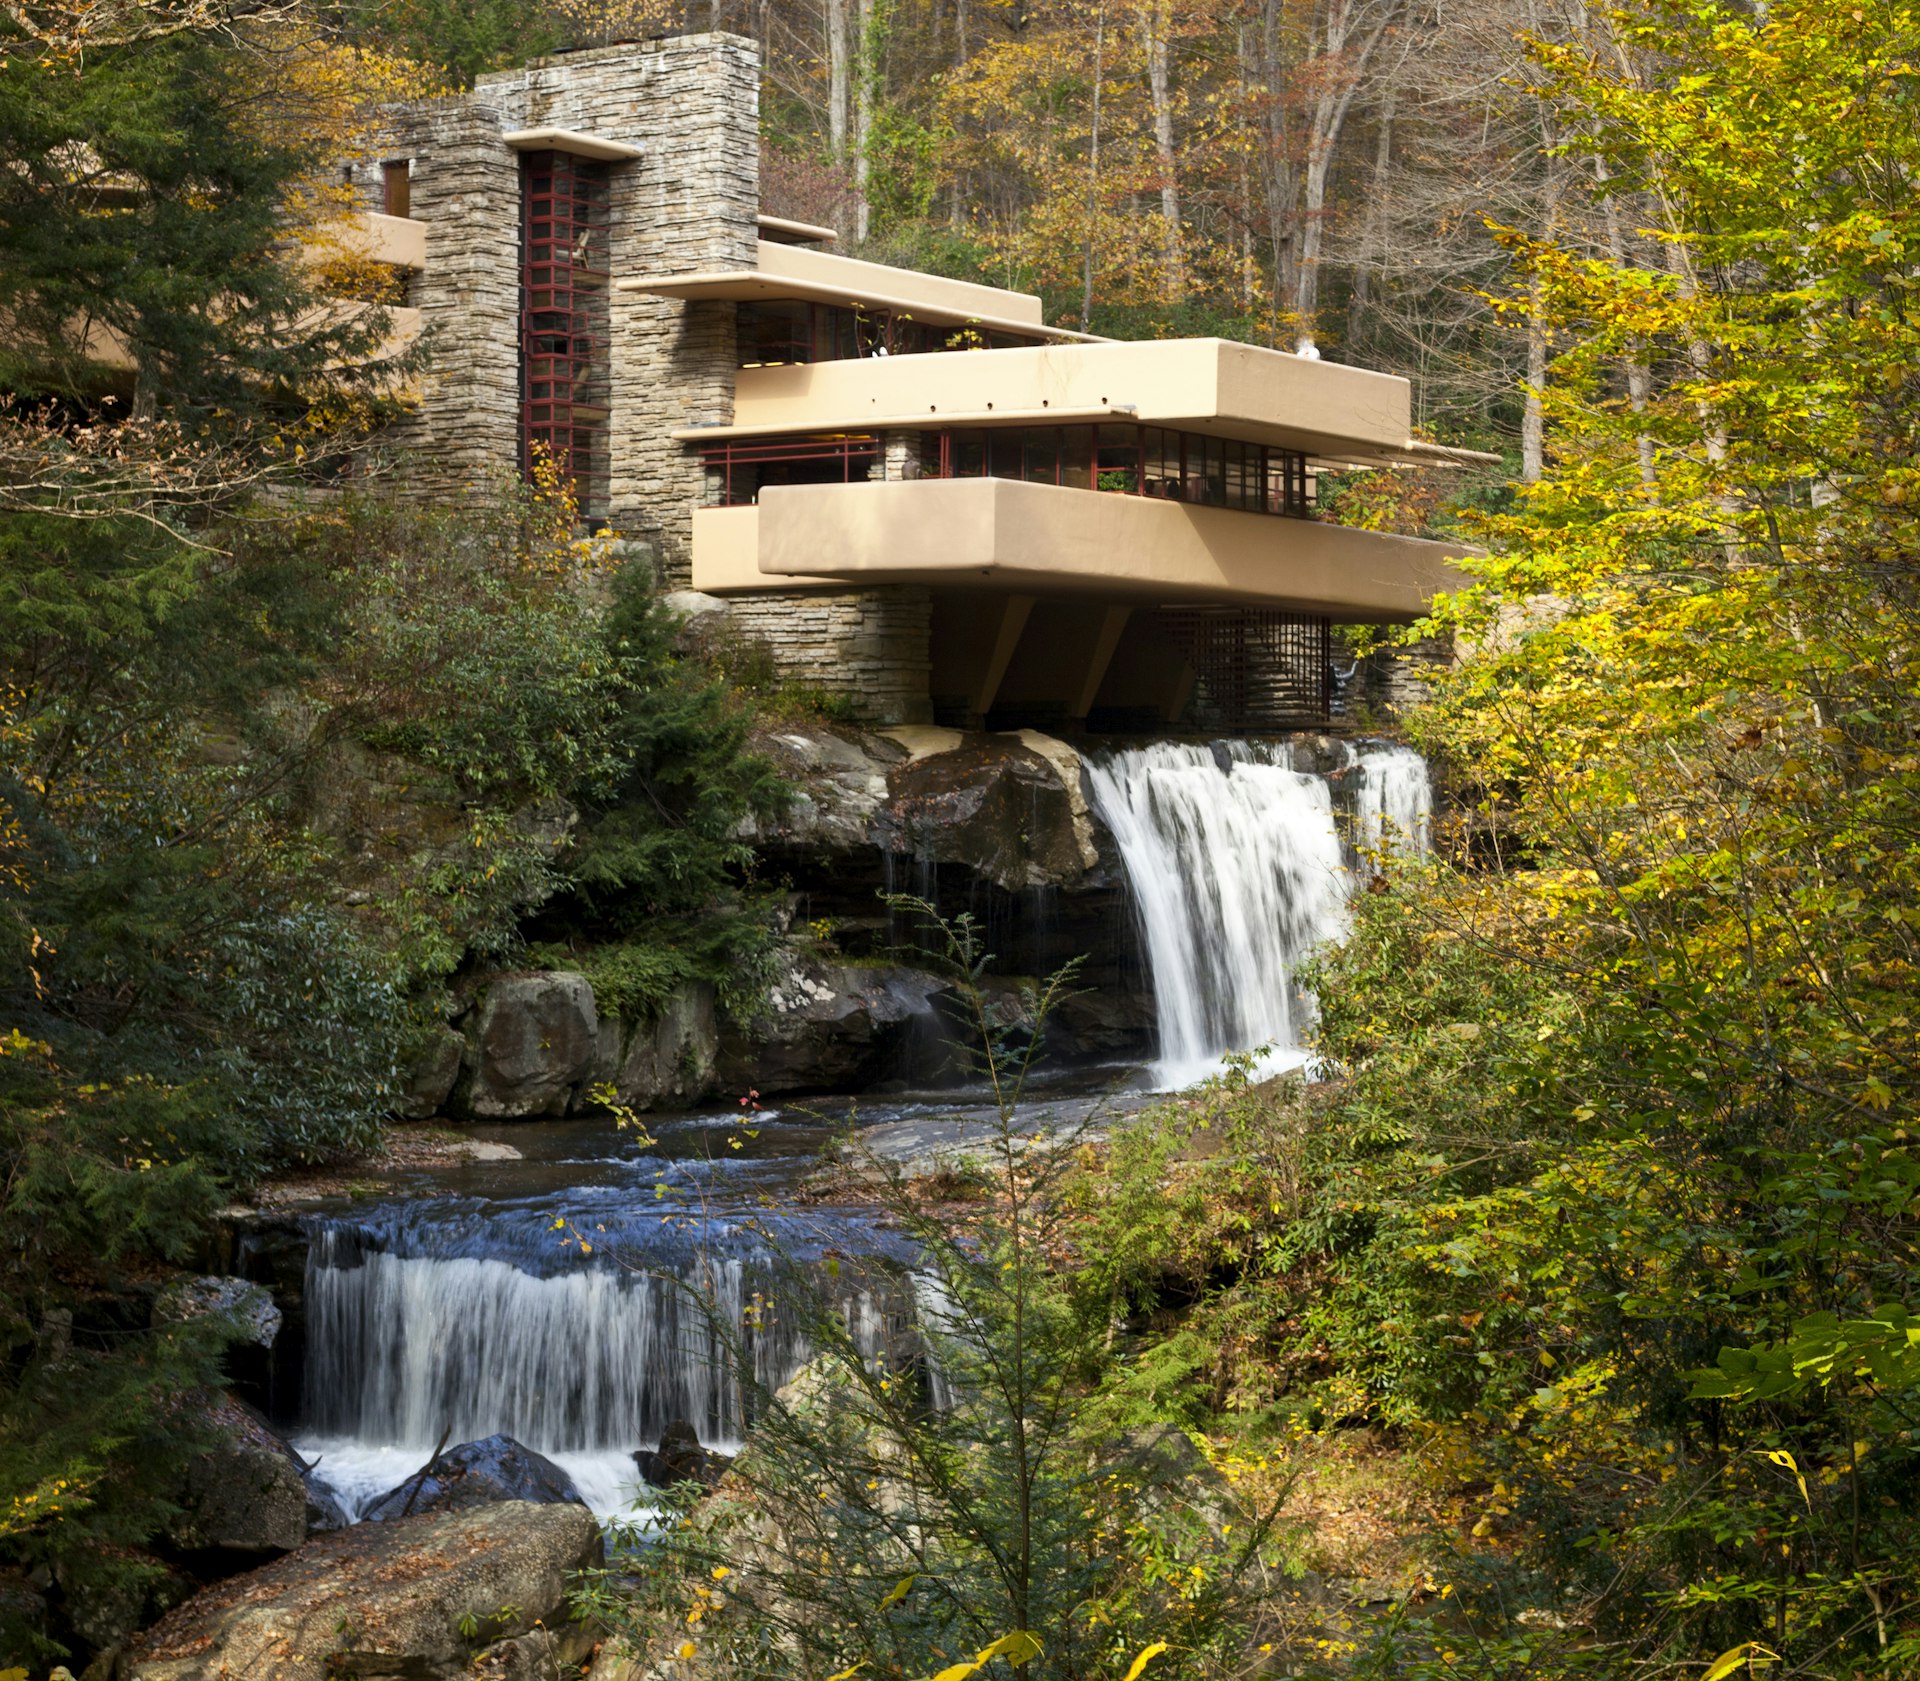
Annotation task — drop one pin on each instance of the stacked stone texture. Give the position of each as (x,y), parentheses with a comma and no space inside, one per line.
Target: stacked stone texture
(868,647)
(687,205)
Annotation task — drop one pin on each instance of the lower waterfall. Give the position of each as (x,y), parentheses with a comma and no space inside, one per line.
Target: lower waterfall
(1238,871)
(583,1362)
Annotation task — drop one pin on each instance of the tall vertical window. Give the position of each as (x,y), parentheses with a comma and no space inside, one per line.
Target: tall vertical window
(396,187)
(564,385)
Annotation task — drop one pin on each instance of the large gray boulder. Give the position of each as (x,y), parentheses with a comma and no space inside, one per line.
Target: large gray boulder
(245,1493)
(838,783)
(417,1598)
(1010,809)
(481,1473)
(830,1026)
(430,1079)
(667,1059)
(248,1307)
(532,1043)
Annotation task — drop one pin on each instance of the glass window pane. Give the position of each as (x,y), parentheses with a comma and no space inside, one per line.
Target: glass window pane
(1235,474)
(1076,457)
(1117,458)
(1006,459)
(1042,454)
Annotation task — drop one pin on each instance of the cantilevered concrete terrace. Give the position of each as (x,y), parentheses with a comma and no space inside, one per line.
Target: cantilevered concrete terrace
(1331,413)
(1043,539)
(789,271)
(1162,519)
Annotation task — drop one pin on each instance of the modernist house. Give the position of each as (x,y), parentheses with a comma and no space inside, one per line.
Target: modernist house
(911,489)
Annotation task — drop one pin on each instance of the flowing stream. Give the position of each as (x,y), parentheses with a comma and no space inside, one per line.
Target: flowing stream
(591,1292)
(1238,871)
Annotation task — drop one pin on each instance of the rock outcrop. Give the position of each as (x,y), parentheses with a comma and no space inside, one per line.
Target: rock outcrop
(996,825)
(665,1060)
(482,1473)
(248,1307)
(425,1598)
(830,1026)
(531,1047)
(247,1493)
(680,1458)
(994,805)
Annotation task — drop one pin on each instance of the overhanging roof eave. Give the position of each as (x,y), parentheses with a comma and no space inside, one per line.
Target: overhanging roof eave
(751,286)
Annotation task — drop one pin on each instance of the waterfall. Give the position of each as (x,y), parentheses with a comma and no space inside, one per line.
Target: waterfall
(582,1363)
(1393,807)
(1235,868)
(1237,872)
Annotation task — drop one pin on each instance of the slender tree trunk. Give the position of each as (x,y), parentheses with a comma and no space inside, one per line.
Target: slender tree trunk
(1639,375)
(1329,121)
(1373,245)
(957,207)
(1093,166)
(866,78)
(839,83)
(1278,175)
(1155,23)
(1533,419)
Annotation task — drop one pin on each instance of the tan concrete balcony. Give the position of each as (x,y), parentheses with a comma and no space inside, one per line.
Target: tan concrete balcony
(1050,540)
(1332,413)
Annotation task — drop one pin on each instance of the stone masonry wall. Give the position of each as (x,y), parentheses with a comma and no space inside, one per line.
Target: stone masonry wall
(869,646)
(466,190)
(689,203)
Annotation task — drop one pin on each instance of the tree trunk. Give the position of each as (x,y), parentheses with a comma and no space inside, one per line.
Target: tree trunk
(839,83)
(866,77)
(1155,22)
(1278,176)
(957,205)
(1533,420)
(1093,167)
(1330,110)
(1373,245)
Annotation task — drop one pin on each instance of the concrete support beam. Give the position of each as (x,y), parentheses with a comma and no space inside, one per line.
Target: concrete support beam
(1014,614)
(1113,623)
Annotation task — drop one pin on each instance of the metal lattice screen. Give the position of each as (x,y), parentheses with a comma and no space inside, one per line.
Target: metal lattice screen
(1256,668)
(564,385)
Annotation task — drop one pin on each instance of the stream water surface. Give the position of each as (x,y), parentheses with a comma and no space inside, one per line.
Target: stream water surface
(582,1290)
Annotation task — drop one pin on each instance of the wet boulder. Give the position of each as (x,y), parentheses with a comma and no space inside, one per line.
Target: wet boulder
(247,1492)
(494,1469)
(430,1079)
(666,1059)
(838,783)
(248,1307)
(680,1458)
(426,1597)
(1008,808)
(830,1026)
(531,1045)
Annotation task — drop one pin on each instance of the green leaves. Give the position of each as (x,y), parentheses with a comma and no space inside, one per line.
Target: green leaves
(1881,1349)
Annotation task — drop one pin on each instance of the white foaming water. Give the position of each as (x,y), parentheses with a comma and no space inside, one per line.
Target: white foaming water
(1237,874)
(358,1473)
(1393,806)
(582,1366)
